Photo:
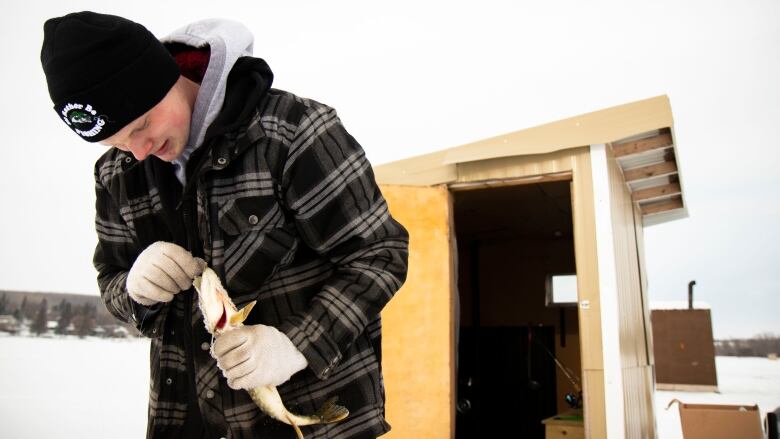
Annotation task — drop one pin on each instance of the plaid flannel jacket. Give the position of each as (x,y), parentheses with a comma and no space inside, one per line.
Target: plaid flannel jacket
(288,214)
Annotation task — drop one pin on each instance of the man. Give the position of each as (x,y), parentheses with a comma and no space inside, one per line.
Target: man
(207,162)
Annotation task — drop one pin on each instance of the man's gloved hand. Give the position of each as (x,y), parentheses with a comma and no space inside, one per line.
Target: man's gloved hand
(162,270)
(255,356)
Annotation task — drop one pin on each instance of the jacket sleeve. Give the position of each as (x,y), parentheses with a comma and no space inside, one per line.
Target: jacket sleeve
(114,255)
(328,186)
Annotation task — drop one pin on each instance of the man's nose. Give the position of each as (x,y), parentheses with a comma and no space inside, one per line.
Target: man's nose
(141,149)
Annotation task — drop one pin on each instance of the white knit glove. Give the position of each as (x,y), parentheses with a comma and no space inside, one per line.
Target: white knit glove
(160,271)
(255,356)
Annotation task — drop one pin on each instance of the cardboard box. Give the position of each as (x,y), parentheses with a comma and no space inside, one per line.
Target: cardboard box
(717,421)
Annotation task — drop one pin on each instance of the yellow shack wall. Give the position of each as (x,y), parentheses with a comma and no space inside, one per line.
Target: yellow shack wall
(418,360)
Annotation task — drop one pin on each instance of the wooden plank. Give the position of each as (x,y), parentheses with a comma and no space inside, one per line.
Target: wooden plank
(572,431)
(657,192)
(686,387)
(650,209)
(651,171)
(663,140)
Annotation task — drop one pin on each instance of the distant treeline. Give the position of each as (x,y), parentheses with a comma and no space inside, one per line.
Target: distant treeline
(761,345)
(77,314)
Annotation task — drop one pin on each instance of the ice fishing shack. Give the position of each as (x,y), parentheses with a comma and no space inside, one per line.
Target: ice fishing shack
(527,287)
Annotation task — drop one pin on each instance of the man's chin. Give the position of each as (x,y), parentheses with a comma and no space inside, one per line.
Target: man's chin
(169,153)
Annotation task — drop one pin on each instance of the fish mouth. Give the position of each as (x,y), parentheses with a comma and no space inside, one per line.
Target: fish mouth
(221,322)
(212,304)
(218,319)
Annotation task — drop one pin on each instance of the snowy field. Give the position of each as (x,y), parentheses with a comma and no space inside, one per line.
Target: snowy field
(747,381)
(73,388)
(97,388)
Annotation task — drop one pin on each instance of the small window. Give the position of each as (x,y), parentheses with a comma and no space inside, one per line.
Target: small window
(562,290)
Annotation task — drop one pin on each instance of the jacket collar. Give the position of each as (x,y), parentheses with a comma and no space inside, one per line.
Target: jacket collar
(232,132)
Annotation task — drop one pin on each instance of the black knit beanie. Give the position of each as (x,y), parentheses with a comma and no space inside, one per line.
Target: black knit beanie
(103,71)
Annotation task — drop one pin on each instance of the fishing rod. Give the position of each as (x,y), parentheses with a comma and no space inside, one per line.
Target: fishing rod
(574,400)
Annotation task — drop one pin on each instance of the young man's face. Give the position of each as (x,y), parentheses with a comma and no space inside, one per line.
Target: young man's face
(162,131)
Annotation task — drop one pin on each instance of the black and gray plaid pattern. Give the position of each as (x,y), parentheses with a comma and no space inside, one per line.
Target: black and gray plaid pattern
(290,216)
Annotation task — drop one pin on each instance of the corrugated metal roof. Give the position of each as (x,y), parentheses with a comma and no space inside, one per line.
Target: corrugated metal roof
(640,133)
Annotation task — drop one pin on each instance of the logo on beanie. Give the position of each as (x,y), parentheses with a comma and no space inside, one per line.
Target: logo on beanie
(83,119)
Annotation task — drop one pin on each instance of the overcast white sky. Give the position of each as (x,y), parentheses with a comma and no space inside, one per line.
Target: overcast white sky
(413,77)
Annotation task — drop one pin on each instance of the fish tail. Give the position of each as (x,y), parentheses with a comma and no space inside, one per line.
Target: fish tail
(270,402)
(328,413)
(331,412)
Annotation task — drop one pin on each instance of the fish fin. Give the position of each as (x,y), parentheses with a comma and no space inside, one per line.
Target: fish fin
(295,426)
(242,314)
(331,412)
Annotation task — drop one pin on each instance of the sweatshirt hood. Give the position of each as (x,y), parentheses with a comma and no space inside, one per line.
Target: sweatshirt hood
(227,41)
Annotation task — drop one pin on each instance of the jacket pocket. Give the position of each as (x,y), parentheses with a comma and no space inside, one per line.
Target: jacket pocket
(257,239)
(143,216)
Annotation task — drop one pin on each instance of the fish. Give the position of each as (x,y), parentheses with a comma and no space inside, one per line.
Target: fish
(221,315)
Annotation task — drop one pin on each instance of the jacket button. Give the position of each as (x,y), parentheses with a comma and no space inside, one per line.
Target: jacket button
(221,160)
(209,394)
(205,346)
(253,220)
(169,381)
(128,159)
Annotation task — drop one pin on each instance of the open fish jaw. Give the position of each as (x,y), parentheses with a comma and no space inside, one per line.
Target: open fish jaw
(215,304)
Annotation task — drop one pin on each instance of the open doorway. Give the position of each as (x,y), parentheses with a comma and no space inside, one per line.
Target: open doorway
(515,260)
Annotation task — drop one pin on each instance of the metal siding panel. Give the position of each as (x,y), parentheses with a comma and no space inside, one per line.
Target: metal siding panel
(516,167)
(597,127)
(640,422)
(640,245)
(424,170)
(638,406)
(617,124)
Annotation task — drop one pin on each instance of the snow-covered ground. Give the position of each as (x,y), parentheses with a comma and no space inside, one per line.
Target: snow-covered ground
(97,388)
(73,388)
(747,381)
